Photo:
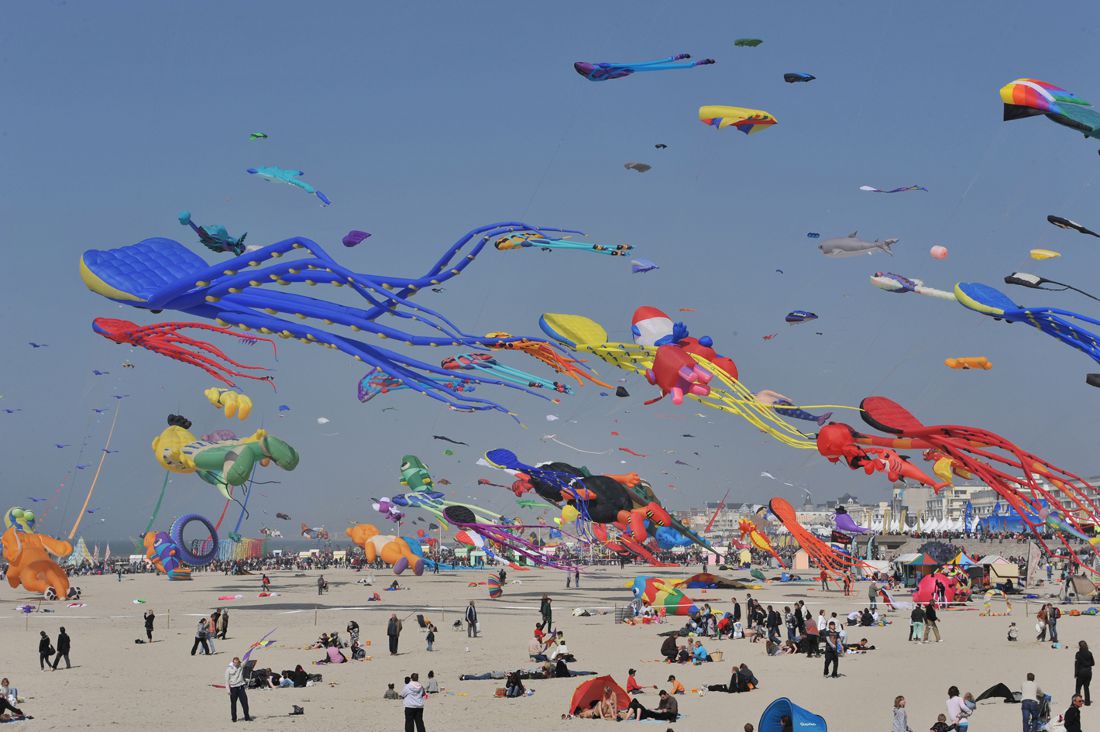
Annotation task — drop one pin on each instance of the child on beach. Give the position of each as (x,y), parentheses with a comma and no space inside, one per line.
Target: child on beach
(941,725)
(430,637)
(1013,634)
(901,721)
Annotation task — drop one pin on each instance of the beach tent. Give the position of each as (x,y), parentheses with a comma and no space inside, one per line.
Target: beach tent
(592,691)
(923,560)
(1083,587)
(801,719)
(1000,569)
(962,560)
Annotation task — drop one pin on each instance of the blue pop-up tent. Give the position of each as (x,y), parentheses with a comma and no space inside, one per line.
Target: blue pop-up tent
(801,719)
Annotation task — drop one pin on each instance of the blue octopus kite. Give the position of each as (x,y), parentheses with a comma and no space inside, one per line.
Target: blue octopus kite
(606,70)
(161,274)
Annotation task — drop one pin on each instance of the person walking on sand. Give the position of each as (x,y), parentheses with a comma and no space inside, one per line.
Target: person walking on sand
(265,584)
(413,694)
(393,631)
(931,622)
(547,612)
(1029,703)
(321,585)
(824,577)
(150,618)
(45,650)
(200,638)
(212,631)
(833,648)
(236,685)
(223,624)
(901,719)
(471,620)
(62,649)
(872,595)
(1082,670)
(577,579)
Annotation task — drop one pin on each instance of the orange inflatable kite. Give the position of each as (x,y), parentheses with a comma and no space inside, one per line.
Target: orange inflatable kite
(393,550)
(28,555)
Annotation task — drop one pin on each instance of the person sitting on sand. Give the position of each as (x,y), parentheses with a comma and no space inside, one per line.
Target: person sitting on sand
(393,586)
(732,687)
(299,676)
(431,686)
(667,710)
(789,648)
(333,655)
(1013,634)
(632,685)
(390,693)
(674,685)
(513,685)
(699,654)
(357,651)
(536,650)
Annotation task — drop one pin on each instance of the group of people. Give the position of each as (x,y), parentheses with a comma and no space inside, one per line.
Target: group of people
(46,650)
(208,629)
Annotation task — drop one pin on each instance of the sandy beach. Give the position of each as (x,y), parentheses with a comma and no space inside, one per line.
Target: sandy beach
(118,684)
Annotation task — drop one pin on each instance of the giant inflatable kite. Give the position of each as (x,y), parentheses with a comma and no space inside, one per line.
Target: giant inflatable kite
(28,556)
(224,463)
(392,550)
(161,274)
(828,558)
(992,302)
(1031,97)
(1034,488)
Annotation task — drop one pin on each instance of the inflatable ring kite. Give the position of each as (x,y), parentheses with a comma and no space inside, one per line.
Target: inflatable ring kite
(195,560)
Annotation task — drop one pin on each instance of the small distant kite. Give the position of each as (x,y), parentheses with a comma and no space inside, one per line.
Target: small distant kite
(97,372)
(744,119)
(813,235)
(938,252)
(605,71)
(61,445)
(640,167)
(354,237)
(215,237)
(283,516)
(620,391)
(769,337)
(1035,282)
(1043,254)
(800,316)
(903,189)
(257,136)
(1064,223)
(660,146)
(747,42)
(968,362)
(444,438)
(323,420)
(36,500)
(12,411)
(32,344)
(275,174)
(796,76)
(638,266)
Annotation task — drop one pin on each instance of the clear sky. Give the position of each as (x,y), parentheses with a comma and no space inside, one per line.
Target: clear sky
(422,121)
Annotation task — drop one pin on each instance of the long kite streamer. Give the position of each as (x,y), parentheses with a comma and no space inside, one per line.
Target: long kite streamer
(98,470)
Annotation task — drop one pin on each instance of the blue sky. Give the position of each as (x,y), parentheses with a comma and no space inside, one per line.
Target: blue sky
(421,122)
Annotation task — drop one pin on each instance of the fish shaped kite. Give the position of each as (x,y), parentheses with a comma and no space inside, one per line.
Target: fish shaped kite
(749,121)
(903,189)
(797,76)
(275,174)
(853,246)
(1064,223)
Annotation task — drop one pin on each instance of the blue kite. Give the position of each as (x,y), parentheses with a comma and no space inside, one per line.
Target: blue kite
(607,70)
(161,274)
(290,177)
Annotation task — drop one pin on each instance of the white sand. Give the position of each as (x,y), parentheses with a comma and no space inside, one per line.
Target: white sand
(117,684)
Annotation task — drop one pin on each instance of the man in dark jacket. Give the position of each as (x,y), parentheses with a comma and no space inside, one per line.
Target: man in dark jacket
(930,622)
(1072,717)
(393,630)
(736,610)
(62,649)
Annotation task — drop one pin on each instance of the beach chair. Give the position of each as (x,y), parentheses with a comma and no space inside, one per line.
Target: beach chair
(422,622)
